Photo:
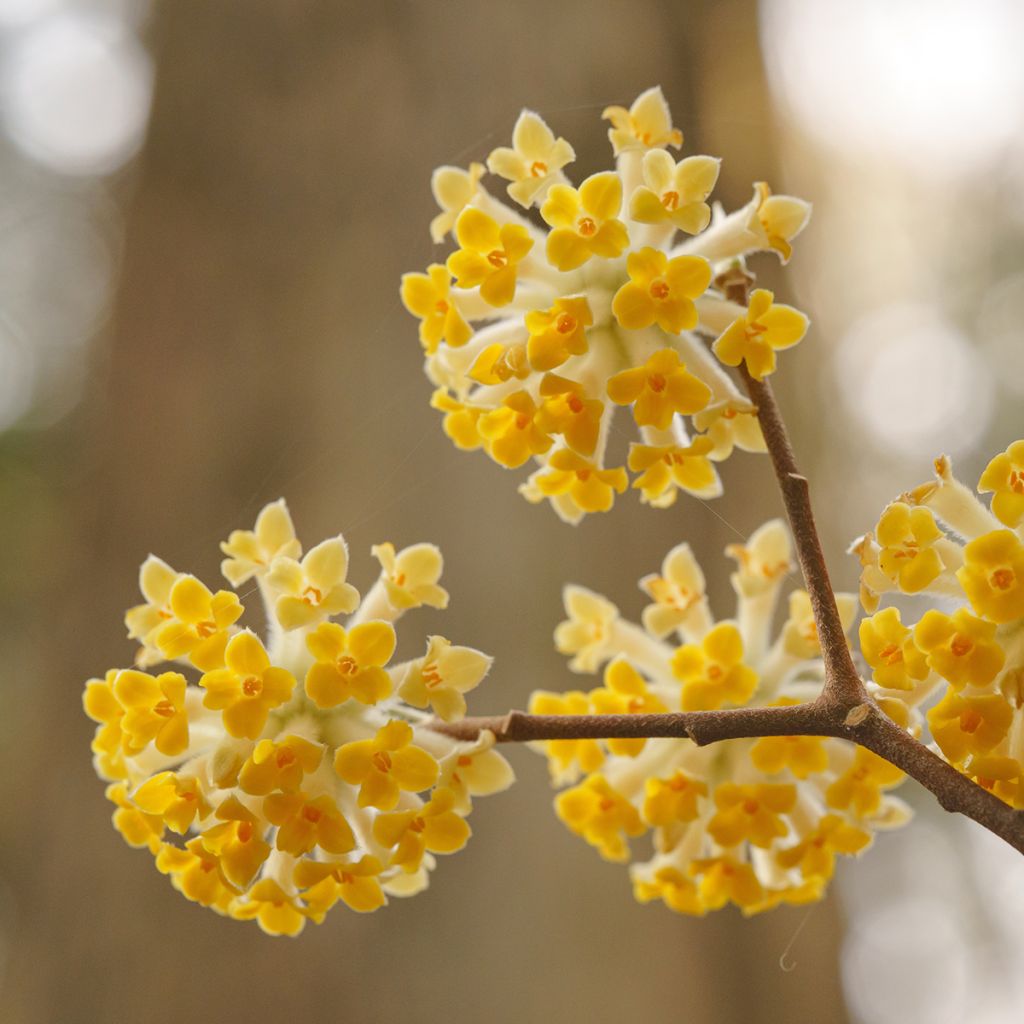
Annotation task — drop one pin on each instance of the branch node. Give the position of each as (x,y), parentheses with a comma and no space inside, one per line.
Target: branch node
(856,715)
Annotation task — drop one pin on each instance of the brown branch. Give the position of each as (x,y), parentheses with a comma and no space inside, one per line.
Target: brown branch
(844,709)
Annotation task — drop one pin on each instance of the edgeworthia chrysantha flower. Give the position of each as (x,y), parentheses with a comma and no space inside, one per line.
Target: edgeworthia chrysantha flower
(273,779)
(570,300)
(753,822)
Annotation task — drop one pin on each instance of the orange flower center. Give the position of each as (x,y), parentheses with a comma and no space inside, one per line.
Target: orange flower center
(312,596)
(961,645)
(284,758)
(431,676)
(575,403)
(205,629)
(523,421)
(497,258)
(1017,481)
(245,831)
(659,289)
(381,761)
(586,227)
(969,720)
(165,709)
(656,382)
(583,474)
(441,306)
(714,672)
(347,665)
(417,825)
(606,804)
(464,761)
(1002,579)
(670,200)
(312,814)
(538,169)
(252,686)
(565,323)
(751,806)
(678,783)
(891,654)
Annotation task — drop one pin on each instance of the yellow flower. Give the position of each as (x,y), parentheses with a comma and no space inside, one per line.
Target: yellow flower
(138,828)
(860,786)
(410,834)
(533,162)
(763,561)
(1005,476)
(498,363)
(755,337)
(315,588)
(675,193)
(474,769)
(625,693)
(199,623)
(558,333)
(964,726)
(815,854)
(587,487)
(672,887)
(802,755)
(349,665)
(781,218)
(510,432)
(196,874)
(712,672)
(961,648)
(585,222)
(677,593)
(907,537)
(175,798)
(993,575)
(154,710)
(603,817)
(454,189)
(410,577)
(248,689)
(250,552)
(889,648)
(156,579)
(306,822)
(460,421)
(751,813)
(442,676)
(645,125)
(429,297)
(567,411)
(237,843)
(659,389)
(385,766)
(670,801)
(567,758)
(279,764)
(667,469)
(800,632)
(587,633)
(356,885)
(488,255)
(661,290)
(724,879)
(102,706)
(277,912)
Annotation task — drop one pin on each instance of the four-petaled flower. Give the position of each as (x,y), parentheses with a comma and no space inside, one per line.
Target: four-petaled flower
(659,389)
(965,725)
(154,710)
(751,813)
(645,125)
(429,297)
(442,676)
(907,537)
(489,255)
(349,664)
(675,193)
(712,672)
(961,647)
(765,328)
(533,162)
(580,482)
(315,588)
(585,221)
(993,575)
(250,552)
(666,469)
(661,290)
(305,822)
(1005,476)
(410,577)
(435,827)
(889,648)
(558,333)
(454,189)
(385,766)
(248,688)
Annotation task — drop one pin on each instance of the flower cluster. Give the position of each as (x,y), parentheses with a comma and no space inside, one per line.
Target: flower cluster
(537,325)
(941,540)
(301,771)
(754,822)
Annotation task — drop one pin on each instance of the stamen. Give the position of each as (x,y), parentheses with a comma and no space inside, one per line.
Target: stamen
(312,596)
(565,323)
(497,258)
(381,761)
(961,645)
(659,289)
(670,200)
(1002,579)
(656,382)
(538,169)
(252,686)
(969,720)
(586,227)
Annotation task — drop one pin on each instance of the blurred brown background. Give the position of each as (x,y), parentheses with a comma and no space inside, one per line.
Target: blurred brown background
(190,332)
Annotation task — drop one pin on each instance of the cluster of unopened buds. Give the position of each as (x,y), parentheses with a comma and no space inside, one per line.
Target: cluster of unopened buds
(753,822)
(941,541)
(273,780)
(574,300)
